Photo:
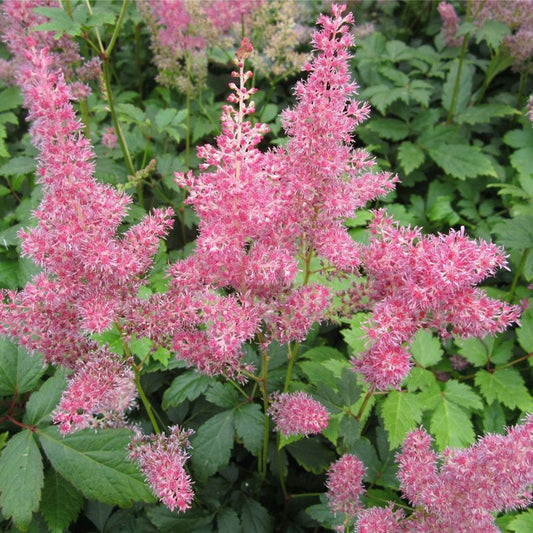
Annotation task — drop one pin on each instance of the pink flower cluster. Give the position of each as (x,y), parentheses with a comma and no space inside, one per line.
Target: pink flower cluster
(345,485)
(17,28)
(162,458)
(181,32)
(464,492)
(99,395)
(416,281)
(450,23)
(297,413)
(518,16)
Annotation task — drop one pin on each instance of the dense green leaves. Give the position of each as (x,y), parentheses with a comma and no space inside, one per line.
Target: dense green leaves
(401,412)
(95,463)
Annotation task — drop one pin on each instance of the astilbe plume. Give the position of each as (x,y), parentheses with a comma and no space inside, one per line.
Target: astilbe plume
(458,490)
(19,22)
(450,24)
(100,394)
(89,276)
(181,31)
(518,16)
(161,458)
(345,485)
(260,211)
(416,281)
(297,413)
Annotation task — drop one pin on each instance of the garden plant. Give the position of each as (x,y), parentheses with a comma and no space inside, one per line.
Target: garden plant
(266,266)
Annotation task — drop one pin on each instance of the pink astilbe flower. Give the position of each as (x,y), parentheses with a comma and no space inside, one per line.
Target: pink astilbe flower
(99,394)
(345,485)
(379,520)
(89,275)
(18,32)
(416,281)
(161,458)
(450,24)
(183,30)
(297,413)
(518,16)
(109,138)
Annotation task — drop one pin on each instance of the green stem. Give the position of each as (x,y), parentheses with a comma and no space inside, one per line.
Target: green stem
(114,118)
(280,470)
(145,401)
(518,273)
(292,358)
(264,392)
(116,31)
(188,129)
(85,118)
(369,395)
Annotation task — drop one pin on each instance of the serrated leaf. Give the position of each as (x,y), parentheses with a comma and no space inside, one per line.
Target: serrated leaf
(166,521)
(525,332)
(19,371)
(255,517)
(228,521)
(140,346)
(493,32)
(426,349)
(60,22)
(462,395)
(484,113)
(354,336)
(45,400)
(451,426)
(506,386)
(316,372)
(349,389)
(410,156)
(212,444)
(523,523)
(311,455)
(519,138)
(462,161)
(494,418)
(401,412)
(249,425)
(61,502)
(21,478)
(188,386)
(515,233)
(164,117)
(10,98)
(522,161)
(389,128)
(222,394)
(95,463)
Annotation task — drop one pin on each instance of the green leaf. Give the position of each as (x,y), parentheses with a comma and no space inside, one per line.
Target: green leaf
(349,389)
(354,336)
(255,517)
(60,22)
(164,117)
(451,425)
(484,113)
(45,400)
(494,418)
(493,33)
(426,349)
(311,455)
(389,128)
(222,394)
(21,478)
(10,98)
(228,521)
(212,444)
(140,346)
(19,371)
(188,386)
(515,233)
(96,464)
(61,502)
(523,523)
(401,412)
(316,372)
(506,386)
(519,138)
(249,425)
(522,161)
(410,156)
(525,332)
(462,395)
(269,113)
(462,161)
(465,87)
